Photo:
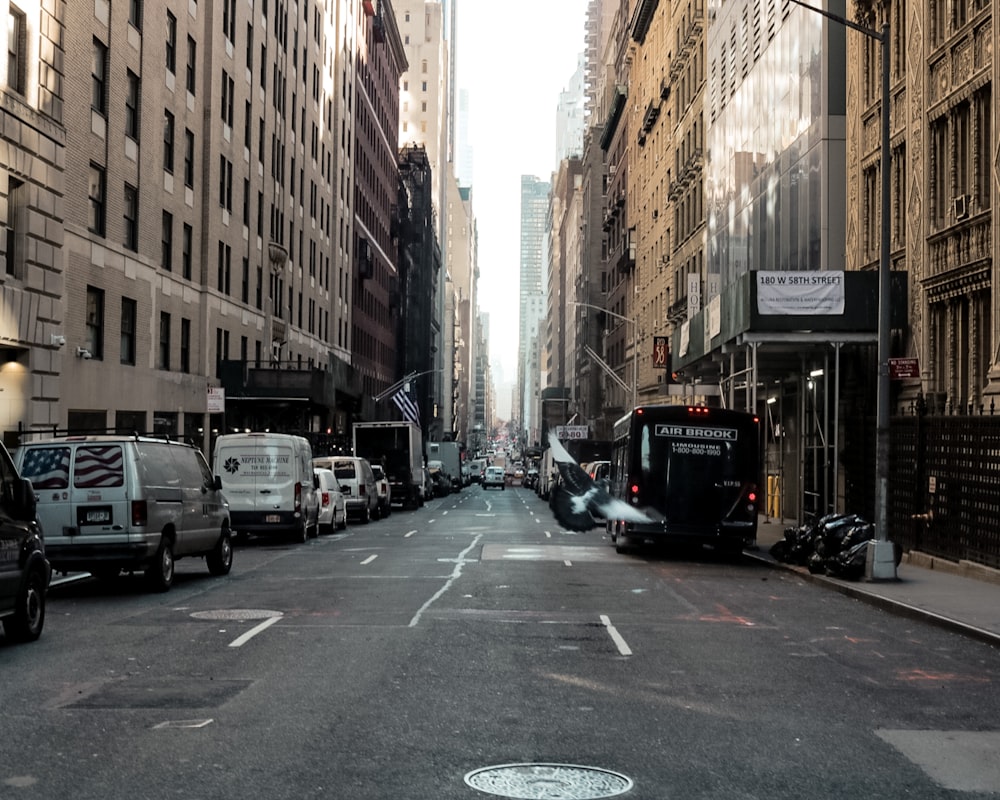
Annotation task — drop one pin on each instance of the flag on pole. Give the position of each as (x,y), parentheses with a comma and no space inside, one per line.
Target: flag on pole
(407,406)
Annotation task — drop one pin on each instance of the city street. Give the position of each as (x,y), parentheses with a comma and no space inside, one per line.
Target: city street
(394,659)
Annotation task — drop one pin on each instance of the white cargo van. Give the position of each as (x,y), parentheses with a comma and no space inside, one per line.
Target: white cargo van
(357,482)
(112,502)
(269,481)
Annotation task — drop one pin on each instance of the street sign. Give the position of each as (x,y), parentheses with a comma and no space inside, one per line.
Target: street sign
(661,352)
(904,368)
(564,432)
(216,400)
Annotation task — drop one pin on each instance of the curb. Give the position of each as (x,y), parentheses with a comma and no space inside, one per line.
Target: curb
(896,607)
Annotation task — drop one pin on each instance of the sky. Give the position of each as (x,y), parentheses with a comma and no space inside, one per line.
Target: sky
(514,58)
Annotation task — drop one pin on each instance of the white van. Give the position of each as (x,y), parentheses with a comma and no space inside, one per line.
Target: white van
(111,503)
(357,482)
(269,481)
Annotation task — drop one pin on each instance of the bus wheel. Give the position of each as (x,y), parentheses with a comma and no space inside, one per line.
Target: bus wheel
(620,542)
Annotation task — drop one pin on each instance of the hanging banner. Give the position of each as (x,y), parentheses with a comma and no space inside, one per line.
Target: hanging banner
(800,292)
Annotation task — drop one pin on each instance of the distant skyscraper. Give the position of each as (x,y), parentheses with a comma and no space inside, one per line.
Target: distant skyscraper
(534,243)
(571,114)
(464,161)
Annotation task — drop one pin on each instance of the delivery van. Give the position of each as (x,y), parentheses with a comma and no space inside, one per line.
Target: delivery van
(113,502)
(269,481)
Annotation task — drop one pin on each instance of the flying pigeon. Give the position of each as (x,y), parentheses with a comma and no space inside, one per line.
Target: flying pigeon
(579,499)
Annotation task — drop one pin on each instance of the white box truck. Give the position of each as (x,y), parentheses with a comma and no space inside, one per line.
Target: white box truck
(398,447)
(450,456)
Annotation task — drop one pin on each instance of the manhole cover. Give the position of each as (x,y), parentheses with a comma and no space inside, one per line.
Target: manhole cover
(548,782)
(236,613)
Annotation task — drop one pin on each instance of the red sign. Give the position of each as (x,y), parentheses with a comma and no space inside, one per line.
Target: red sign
(904,368)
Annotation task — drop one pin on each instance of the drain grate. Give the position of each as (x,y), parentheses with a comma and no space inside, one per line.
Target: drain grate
(548,782)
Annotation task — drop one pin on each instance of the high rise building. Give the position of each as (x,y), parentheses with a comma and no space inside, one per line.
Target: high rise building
(532,273)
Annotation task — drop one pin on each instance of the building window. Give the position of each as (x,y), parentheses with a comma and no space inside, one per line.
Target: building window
(185,345)
(171,44)
(228,92)
(131,216)
(132,92)
(17,43)
(135,14)
(192,56)
(129,318)
(95,322)
(17,211)
(99,78)
(225,267)
(229,19)
(226,183)
(187,242)
(245,286)
(188,158)
(97,200)
(168,142)
(167,242)
(164,350)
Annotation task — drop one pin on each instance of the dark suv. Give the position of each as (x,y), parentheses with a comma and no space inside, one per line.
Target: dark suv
(24,570)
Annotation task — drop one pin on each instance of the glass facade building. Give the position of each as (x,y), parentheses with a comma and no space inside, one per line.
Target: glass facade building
(775,138)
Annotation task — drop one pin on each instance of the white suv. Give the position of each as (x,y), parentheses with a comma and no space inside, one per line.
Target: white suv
(494,476)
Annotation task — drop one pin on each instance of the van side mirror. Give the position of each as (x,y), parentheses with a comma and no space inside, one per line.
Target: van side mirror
(315,481)
(217,483)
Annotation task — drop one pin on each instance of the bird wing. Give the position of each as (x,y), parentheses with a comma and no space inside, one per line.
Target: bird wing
(580,498)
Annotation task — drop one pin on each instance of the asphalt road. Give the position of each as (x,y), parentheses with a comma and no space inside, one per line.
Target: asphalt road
(393,660)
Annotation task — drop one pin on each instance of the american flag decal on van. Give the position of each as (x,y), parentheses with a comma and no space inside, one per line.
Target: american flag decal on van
(98,467)
(47,467)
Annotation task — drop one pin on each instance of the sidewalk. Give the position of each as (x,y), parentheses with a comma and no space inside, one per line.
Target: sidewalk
(964,599)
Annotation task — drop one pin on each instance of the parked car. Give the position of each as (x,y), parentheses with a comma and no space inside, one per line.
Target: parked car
(530,479)
(357,482)
(24,570)
(426,485)
(494,476)
(442,483)
(112,502)
(268,479)
(384,491)
(332,506)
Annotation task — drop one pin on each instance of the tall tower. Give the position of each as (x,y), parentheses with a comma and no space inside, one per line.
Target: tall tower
(534,210)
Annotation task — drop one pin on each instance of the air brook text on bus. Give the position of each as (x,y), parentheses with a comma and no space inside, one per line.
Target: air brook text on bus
(727,434)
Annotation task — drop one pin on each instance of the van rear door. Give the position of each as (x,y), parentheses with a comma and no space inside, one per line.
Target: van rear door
(100,499)
(258,479)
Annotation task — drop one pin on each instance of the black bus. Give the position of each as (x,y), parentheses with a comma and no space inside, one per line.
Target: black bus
(694,471)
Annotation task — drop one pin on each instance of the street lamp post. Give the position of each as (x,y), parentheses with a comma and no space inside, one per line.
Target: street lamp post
(881,562)
(635,344)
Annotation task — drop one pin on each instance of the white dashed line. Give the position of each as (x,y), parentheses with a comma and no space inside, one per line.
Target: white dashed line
(616,637)
(408,534)
(246,637)
(369,560)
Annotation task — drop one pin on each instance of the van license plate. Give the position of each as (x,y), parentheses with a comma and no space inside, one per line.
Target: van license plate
(272,518)
(93,515)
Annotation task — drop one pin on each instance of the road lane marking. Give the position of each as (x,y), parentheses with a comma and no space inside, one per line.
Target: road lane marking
(455,574)
(369,560)
(568,563)
(408,534)
(246,637)
(616,637)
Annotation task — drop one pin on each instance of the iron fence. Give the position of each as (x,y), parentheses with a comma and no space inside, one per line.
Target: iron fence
(944,480)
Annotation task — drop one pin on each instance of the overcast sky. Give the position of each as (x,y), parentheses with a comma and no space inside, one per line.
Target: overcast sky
(514,58)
